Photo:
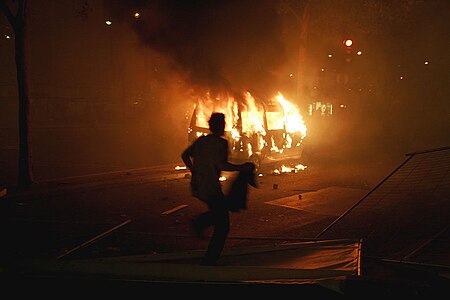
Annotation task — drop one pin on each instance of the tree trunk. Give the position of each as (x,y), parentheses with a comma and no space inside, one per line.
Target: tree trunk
(25,177)
(18,23)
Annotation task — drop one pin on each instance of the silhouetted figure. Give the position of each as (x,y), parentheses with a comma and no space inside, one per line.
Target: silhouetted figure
(237,195)
(206,157)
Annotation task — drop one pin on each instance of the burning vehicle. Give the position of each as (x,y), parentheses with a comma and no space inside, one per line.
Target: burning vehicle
(257,131)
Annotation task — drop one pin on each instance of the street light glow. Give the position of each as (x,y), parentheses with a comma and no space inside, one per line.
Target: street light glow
(108,22)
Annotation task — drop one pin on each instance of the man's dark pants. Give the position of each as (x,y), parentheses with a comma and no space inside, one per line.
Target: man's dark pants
(218,217)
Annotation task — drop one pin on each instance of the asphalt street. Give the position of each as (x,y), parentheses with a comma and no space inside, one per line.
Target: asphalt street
(148,211)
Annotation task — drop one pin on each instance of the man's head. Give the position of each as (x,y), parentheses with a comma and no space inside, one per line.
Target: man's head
(217,123)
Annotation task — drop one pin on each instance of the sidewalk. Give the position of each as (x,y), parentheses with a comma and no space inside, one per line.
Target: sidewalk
(99,181)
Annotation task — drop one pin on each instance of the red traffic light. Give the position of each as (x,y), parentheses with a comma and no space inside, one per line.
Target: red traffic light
(347,42)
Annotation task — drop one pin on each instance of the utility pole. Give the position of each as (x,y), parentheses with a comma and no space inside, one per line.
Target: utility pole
(303,30)
(302,48)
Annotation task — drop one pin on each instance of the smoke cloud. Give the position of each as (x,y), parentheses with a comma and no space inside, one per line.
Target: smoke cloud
(224,45)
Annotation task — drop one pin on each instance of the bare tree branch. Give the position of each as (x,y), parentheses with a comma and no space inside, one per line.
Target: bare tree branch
(7,12)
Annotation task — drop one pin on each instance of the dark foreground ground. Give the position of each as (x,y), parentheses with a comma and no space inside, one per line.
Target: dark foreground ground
(142,211)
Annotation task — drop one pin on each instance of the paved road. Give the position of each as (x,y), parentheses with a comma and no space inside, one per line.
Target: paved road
(148,210)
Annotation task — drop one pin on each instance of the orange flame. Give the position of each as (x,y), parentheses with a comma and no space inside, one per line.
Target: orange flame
(249,122)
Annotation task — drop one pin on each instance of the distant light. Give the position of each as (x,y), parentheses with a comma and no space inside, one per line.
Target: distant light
(8,37)
(323,70)
(290,75)
(330,55)
(401,77)
(342,106)
(426,62)
(348,42)
(359,52)
(108,22)
(137,15)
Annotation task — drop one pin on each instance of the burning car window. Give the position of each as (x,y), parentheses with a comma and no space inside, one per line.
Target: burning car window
(254,129)
(275,120)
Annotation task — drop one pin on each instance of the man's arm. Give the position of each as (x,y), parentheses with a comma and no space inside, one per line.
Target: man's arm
(186,157)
